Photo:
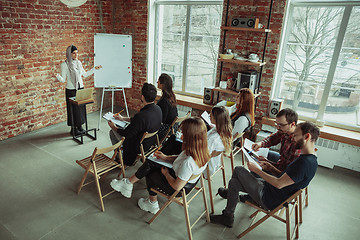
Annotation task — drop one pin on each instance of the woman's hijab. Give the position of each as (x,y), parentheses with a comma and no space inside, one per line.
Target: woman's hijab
(74,66)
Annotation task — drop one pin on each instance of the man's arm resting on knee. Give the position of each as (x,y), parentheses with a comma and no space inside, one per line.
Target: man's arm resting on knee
(279,183)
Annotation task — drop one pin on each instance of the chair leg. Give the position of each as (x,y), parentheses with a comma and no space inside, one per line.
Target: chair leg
(306,197)
(232,161)
(223,170)
(253,226)
(204,198)
(99,192)
(288,234)
(210,190)
(300,207)
(167,203)
(187,219)
(297,217)
(83,180)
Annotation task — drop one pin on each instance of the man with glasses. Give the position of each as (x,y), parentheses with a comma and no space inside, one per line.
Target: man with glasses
(286,121)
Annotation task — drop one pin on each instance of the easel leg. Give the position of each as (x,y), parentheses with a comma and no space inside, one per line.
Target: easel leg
(127,110)
(101,107)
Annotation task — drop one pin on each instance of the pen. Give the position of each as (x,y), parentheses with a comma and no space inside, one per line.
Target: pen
(250,151)
(118,113)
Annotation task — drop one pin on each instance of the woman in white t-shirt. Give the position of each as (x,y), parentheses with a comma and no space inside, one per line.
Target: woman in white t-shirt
(219,137)
(191,161)
(243,115)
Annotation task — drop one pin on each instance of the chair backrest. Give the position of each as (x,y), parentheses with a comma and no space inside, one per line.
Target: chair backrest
(178,120)
(148,135)
(114,147)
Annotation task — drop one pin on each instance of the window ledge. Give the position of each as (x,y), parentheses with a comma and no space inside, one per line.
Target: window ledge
(189,101)
(331,133)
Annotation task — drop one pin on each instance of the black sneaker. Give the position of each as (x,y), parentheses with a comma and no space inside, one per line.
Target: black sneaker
(222,192)
(245,197)
(222,219)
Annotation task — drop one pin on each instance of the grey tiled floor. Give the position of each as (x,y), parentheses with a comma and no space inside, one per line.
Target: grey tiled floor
(39,178)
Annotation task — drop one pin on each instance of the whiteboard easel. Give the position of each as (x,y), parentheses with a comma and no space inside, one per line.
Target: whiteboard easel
(112,90)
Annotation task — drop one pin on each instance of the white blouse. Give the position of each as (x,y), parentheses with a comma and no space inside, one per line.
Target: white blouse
(185,166)
(214,144)
(65,76)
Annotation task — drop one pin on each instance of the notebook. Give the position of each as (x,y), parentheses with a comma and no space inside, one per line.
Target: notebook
(110,116)
(83,94)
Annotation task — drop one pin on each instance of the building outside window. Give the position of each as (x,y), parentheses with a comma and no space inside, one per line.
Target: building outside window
(318,70)
(187,36)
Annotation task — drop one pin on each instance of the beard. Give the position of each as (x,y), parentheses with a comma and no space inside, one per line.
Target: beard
(299,144)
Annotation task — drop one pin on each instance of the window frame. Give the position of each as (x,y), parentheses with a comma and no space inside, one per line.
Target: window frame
(153,40)
(348,6)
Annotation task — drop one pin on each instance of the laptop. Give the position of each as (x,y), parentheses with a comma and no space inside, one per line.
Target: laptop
(83,94)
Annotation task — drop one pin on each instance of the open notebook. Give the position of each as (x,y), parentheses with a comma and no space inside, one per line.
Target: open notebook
(83,94)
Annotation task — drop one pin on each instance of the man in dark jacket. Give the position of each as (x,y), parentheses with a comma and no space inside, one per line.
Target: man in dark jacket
(147,120)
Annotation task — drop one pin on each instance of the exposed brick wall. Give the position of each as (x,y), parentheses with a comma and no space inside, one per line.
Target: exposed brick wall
(244,43)
(131,17)
(33,41)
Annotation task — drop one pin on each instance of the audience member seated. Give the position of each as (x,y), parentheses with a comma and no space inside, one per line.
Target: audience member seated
(219,137)
(286,121)
(269,191)
(191,161)
(167,103)
(147,120)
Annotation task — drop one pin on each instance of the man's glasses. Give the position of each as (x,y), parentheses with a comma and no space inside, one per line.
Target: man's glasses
(281,124)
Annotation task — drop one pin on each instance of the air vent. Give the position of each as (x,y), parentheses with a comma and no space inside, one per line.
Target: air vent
(321,142)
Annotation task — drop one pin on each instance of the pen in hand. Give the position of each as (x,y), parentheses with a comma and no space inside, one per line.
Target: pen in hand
(117,114)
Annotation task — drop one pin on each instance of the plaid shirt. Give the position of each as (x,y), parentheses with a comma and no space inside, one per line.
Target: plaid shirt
(288,153)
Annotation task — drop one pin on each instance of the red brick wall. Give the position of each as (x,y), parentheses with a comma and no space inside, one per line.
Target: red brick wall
(244,43)
(34,35)
(131,17)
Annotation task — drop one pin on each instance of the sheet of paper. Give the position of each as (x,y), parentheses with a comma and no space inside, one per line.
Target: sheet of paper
(110,116)
(262,151)
(159,161)
(250,158)
(206,116)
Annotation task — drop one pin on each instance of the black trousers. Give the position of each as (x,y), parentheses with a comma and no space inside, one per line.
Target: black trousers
(155,178)
(78,112)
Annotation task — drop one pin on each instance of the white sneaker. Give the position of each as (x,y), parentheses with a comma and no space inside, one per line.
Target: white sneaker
(148,206)
(123,186)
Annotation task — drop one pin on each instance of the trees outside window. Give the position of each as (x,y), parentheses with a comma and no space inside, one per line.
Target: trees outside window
(187,43)
(318,72)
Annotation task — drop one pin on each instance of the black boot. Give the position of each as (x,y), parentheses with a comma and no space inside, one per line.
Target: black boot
(80,129)
(223,219)
(222,192)
(74,131)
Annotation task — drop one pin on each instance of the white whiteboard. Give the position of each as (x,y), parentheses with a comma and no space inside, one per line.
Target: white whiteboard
(114,53)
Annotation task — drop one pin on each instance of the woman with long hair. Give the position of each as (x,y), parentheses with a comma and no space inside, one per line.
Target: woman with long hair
(167,102)
(191,161)
(219,137)
(243,115)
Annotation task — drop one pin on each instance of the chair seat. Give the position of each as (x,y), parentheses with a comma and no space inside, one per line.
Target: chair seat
(103,164)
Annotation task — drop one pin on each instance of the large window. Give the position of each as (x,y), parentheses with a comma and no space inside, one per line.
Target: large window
(318,72)
(187,35)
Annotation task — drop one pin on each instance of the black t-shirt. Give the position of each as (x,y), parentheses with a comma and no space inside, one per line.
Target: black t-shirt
(301,171)
(169,112)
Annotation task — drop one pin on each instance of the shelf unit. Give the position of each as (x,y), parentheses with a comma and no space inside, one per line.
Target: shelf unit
(226,28)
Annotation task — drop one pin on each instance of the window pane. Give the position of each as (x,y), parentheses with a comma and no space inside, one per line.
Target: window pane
(312,37)
(343,102)
(171,39)
(204,40)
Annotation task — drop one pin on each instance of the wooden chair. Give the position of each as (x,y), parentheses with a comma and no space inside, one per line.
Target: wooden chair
(237,149)
(291,205)
(184,201)
(209,177)
(177,120)
(143,155)
(98,164)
